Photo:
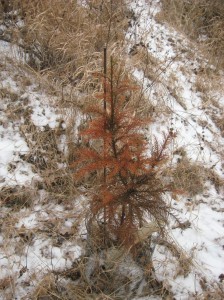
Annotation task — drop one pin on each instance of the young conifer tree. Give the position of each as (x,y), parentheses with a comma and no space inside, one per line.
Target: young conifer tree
(129,188)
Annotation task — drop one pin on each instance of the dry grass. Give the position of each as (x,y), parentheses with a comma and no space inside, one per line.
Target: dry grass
(201,20)
(5,282)
(184,260)
(65,44)
(45,157)
(210,84)
(152,70)
(189,177)
(16,197)
(18,240)
(207,80)
(215,179)
(7,287)
(64,39)
(210,290)
(219,122)
(7,93)
(47,289)
(145,61)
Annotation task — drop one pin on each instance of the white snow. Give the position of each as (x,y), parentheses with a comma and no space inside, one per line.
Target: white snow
(203,241)
(200,240)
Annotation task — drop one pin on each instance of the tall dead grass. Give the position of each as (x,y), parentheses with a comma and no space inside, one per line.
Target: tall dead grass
(64,37)
(202,20)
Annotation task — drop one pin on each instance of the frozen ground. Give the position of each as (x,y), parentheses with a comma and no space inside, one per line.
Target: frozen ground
(40,237)
(196,131)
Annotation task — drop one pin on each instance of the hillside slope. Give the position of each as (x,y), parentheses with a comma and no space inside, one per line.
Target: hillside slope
(191,99)
(42,225)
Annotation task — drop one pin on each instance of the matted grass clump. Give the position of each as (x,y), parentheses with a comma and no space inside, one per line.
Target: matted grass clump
(189,177)
(16,197)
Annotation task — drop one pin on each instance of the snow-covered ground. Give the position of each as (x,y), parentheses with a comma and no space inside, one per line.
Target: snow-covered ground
(27,250)
(29,243)
(203,241)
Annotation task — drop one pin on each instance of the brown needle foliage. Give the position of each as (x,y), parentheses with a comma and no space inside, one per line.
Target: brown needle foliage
(130,186)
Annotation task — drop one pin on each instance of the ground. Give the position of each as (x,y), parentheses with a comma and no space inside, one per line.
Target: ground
(42,232)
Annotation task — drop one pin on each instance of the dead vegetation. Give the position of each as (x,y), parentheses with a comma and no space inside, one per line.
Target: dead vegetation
(201,20)
(67,40)
(189,177)
(210,291)
(16,197)
(185,261)
(45,156)
(65,44)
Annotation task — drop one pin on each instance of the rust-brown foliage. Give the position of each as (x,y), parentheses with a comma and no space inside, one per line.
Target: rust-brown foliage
(129,184)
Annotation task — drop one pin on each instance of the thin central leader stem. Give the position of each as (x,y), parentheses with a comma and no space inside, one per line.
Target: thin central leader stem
(104,142)
(105,105)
